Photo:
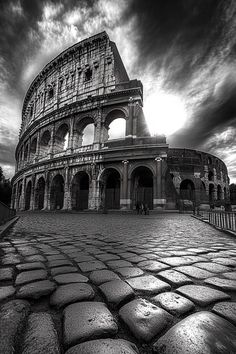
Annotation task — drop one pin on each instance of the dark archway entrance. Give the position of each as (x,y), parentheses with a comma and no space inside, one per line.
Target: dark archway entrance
(112,189)
(211,194)
(187,190)
(57,193)
(142,182)
(28,195)
(39,194)
(80,191)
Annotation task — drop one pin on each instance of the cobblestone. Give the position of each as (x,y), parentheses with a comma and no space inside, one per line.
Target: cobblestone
(95,321)
(144,319)
(32,275)
(175,263)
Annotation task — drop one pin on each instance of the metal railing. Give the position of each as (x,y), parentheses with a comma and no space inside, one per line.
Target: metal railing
(6,213)
(223,219)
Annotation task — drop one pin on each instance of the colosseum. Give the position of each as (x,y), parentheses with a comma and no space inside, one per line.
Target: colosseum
(66,159)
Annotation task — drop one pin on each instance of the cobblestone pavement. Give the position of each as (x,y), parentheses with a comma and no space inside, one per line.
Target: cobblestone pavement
(109,283)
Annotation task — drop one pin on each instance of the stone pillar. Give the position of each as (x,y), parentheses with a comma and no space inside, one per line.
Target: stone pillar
(46,202)
(22,199)
(67,197)
(93,189)
(158,201)
(97,131)
(71,134)
(125,202)
(129,121)
(37,146)
(32,193)
(51,148)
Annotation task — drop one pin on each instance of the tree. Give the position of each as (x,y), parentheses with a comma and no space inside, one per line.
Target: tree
(5,189)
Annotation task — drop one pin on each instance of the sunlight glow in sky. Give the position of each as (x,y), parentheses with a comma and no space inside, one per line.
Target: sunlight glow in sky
(165,113)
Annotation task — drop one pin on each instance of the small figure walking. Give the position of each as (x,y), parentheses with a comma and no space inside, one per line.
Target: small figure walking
(146,209)
(137,208)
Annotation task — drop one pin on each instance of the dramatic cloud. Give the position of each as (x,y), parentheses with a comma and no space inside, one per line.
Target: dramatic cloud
(183,48)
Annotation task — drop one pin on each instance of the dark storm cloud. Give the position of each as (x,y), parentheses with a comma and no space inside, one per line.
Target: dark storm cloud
(186,39)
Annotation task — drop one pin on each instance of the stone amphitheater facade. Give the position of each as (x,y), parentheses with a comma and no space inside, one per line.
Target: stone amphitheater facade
(87,85)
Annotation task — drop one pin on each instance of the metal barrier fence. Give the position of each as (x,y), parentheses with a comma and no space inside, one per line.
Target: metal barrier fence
(6,213)
(223,219)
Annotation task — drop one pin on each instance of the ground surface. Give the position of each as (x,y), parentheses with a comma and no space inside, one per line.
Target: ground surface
(109,283)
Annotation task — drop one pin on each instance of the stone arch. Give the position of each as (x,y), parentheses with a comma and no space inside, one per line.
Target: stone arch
(142,186)
(61,138)
(149,166)
(45,143)
(26,148)
(39,193)
(19,196)
(33,147)
(80,191)
(110,182)
(210,176)
(203,195)
(57,192)
(211,193)
(115,124)
(187,190)
(84,131)
(219,192)
(28,192)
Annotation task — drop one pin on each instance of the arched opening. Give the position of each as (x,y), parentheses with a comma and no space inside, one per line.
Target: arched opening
(33,147)
(219,192)
(142,186)
(110,189)
(115,125)
(117,129)
(203,197)
(84,132)
(225,194)
(88,135)
(28,195)
(210,176)
(211,193)
(80,191)
(61,138)
(57,193)
(39,194)
(187,190)
(44,143)
(18,204)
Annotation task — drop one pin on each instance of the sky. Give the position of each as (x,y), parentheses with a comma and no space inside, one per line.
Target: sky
(184,52)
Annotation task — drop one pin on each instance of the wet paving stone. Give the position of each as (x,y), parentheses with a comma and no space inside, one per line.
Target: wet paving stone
(41,335)
(223,284)
(202,295)
(63,270)
(36,290)
(6,274)
(95,321)
(153,266)
(144,319)
(13,317)
(118,264)
(70,278)
(174,303)
(104,346)
(148,284)
(6,292)
(116,292)
(102,276)
(212,267)
(195,272)
(30,276)
(11,259)
(175,278)
(91,265)
(225,261)
(69,293)
(198,333)
(30,266)
(84,258)
(35,258)
(227,310)
(230,275)
(176,261)
(107,257)
(129,272)
(59,263)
